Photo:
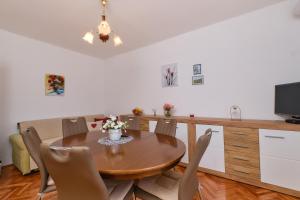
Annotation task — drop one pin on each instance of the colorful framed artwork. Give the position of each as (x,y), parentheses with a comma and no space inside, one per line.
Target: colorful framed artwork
(169,75)
(54,85)
(198,80)
(197,69)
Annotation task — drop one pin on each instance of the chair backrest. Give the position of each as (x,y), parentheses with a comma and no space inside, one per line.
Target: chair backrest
(74,173)
(189,183)
(32,142)
(74,126)
(166,127)
(132,122)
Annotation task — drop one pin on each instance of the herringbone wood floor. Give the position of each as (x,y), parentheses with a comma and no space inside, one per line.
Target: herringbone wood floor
(14,186)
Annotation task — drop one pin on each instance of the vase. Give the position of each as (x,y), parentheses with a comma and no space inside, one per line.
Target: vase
(167,113)
(115,134)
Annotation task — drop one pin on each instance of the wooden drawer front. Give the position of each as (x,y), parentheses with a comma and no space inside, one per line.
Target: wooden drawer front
(144,125)
(240,136)
(242,159)
(280,144)
(242,148)
(243,172)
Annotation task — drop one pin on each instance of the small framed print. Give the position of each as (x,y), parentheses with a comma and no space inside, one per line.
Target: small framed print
(197,69)
(198,80)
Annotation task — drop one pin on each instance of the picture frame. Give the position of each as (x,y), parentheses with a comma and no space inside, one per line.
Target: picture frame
(169,75)
(54,85)
(197,69)
(198,80)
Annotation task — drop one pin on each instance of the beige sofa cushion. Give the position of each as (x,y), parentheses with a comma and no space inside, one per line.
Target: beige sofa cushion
(50,130)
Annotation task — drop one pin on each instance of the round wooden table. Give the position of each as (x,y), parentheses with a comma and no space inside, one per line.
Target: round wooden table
(146,155)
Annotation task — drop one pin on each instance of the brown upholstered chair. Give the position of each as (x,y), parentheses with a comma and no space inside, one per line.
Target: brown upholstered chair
(74,173)
(74,126)
(166,127)
(32,142)
(133,122)
(172,185)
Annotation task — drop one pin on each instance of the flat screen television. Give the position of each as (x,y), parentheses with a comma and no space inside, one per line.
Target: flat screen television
(287,101)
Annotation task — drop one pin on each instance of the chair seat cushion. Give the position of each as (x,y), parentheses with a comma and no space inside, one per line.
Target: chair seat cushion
(164,186)
(118,190)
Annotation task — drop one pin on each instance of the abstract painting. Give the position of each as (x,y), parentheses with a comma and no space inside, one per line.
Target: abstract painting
(54,85)
(169,75)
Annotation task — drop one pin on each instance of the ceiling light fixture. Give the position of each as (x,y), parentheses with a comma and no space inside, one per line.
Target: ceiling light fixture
(104,30)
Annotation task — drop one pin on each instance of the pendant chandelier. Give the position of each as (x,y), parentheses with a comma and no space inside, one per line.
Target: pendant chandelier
(104,30)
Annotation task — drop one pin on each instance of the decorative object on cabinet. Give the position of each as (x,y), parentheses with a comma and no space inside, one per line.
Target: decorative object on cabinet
(235,113)
(154,111)
(168,109)
(197,69)
(54,85)
(114,127)
(169,75)
(137,111)
(198,80)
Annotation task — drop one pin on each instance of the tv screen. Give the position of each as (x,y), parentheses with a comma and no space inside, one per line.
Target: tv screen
(287,99)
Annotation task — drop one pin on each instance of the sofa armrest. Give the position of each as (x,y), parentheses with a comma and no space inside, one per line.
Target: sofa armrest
(17,141)
(20,155)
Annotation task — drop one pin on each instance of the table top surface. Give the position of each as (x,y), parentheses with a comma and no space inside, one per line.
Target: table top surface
(147,154)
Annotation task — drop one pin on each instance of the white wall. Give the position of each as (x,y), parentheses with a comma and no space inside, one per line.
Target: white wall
(243,58)
(23,65)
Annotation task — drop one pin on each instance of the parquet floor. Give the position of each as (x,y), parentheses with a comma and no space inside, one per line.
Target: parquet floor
(14,186)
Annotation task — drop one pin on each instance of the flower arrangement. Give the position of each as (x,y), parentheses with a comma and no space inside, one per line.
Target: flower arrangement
(113,123)
(167,109)
(137,111)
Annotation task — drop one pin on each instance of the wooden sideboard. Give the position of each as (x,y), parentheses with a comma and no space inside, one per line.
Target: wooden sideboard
(264,153)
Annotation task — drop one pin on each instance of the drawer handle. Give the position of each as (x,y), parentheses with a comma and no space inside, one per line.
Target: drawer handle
(241,171)
(239,133)
(274,137)
(239,158)
(240,146)
(213,131)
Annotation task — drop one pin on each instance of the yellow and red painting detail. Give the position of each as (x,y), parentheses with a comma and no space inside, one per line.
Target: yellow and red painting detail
(54,85)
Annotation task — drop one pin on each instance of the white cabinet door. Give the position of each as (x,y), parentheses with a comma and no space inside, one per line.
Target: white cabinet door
(213,158)
(152,125)
(182,134)
(279,158)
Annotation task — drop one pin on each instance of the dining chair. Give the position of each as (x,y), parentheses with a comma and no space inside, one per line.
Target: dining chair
(32,142)
(74,126)
(174,186)
(73,170)
(166,127)
(132,122)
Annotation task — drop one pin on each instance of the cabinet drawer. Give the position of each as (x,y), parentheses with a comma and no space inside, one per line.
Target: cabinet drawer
(240,135)
(242,159)
(243,172)
(244,148)
(280,144)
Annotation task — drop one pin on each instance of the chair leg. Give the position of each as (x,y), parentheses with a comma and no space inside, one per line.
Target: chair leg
(199,193)
(40,196)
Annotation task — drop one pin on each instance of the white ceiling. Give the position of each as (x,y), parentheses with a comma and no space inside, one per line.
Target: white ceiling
(138,22)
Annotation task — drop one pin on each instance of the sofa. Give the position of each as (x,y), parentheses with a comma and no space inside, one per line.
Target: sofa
(49,131)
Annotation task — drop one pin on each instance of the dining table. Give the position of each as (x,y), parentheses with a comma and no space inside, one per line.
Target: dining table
(147,154)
